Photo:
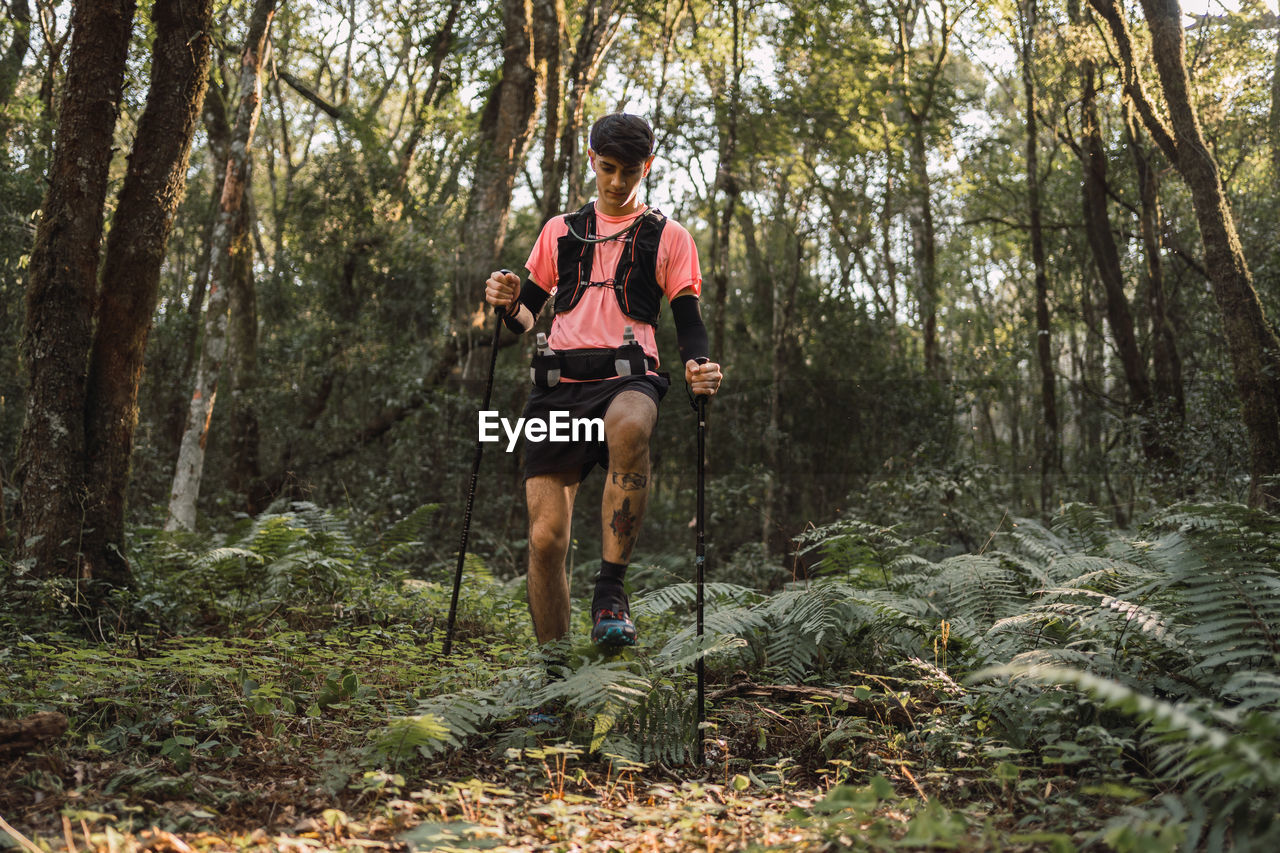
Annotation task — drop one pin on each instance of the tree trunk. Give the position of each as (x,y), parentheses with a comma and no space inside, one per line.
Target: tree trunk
(14,54)
(547,40)
(924,247)
(1106,255)
(60,290)
(727,183)
(218,133)
(919,109)
(190,467)
(506,127)
(242,349)
(600,23)
(1092,462)
(149,198)
(1169,398)
(1273,120)
(1044,351)
(1252,344)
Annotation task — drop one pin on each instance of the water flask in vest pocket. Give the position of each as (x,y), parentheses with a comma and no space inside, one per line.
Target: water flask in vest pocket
(628,359)
(545,368)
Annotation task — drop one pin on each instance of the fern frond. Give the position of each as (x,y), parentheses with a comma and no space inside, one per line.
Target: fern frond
(1083,527)
(403,537)
(684,595)
(591,687)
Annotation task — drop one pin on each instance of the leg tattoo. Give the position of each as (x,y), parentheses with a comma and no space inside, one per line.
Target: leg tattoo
(624,524)
(629,481)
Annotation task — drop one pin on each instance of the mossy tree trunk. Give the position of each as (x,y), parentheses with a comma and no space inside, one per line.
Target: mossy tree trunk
(153,188)
(1251,343)
(60,290)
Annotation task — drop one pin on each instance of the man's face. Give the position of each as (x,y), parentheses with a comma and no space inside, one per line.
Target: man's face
(618,184)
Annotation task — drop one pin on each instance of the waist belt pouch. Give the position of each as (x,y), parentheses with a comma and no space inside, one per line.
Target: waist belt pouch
(629,360)
(545,369)
(589,364)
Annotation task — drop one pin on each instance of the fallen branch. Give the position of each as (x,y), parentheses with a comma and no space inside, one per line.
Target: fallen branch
(21,735)
(897,716)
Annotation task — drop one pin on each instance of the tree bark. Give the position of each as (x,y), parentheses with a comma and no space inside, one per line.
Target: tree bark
(14,54)
(1044,351)
(190,467)
(1252,344)
(149,198)
(60,290)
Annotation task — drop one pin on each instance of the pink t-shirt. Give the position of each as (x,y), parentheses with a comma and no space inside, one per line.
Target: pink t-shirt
(597,322)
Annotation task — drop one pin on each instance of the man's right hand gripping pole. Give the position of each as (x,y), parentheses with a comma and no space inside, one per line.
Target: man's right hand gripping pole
(502,291)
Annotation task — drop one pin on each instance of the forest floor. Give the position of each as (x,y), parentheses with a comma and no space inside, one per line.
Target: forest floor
(288,691)
(256,770)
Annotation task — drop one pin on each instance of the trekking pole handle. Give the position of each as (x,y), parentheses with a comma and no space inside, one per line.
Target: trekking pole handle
(503,310)
(701,398)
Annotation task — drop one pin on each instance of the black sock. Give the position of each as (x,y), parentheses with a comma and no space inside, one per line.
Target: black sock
(610,594)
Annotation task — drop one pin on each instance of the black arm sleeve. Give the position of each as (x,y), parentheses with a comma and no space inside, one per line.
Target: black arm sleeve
(691,334)
(523,313)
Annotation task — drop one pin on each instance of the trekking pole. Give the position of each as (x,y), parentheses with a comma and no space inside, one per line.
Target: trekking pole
(700,561)
(471,490)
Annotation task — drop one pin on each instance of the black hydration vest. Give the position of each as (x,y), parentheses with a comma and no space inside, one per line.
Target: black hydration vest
(635,281)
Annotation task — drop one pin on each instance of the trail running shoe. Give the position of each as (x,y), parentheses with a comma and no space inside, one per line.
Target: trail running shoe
(613,629)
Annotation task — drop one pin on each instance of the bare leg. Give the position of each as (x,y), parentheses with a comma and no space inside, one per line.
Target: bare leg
(627,426)
(550,499)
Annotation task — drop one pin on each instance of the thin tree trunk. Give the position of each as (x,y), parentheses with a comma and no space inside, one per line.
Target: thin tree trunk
(506,127)
(727,183)
(1092,462)
(547,41)
(149,198)
(190,467)
(924,247)
(600,23)
(1273,122)
(1044,351)
(1169,397)
(783,309)
(1251,342)
(242,349)
(218,134)
(60,289)
(1106,255)
(920,212)
(14,55)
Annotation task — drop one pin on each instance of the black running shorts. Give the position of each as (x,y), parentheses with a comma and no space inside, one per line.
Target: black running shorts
(580,400)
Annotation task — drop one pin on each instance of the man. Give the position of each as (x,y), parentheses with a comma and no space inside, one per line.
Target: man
(609,266)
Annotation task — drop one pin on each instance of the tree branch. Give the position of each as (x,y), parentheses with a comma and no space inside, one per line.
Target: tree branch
(1133,86)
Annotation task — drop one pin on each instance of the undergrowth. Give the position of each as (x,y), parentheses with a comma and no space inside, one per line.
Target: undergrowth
(1068,686)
